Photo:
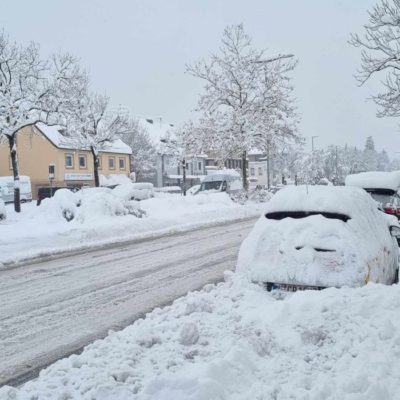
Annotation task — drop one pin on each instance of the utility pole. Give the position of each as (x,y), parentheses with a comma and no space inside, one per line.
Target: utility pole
(313,158)
(268,166)
(312,143)
(336,160)
(184,176)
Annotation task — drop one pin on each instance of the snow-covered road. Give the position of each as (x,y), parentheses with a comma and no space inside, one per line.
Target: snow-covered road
(52,308)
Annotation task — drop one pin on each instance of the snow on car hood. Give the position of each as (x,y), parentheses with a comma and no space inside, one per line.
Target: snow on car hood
(316,250)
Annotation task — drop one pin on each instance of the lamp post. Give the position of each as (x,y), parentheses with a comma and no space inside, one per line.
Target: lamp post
(312,142)
(313,157)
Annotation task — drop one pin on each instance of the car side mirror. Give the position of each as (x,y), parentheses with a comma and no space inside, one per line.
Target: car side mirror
(395,231)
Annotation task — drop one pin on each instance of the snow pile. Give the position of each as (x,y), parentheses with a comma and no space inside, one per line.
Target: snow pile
(134,191)
(88,204)
(3,213)
(169,189)
(317,250)
(114,179)
(235,341)
(100,217)
(374,180)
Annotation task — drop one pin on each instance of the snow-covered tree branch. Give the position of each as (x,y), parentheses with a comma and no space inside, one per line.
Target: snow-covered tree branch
(380,54)
(32,90)
(95,126)
(247,96)
(144,153)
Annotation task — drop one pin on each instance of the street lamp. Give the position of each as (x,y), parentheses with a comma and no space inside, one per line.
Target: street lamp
(313,158)
(312,142)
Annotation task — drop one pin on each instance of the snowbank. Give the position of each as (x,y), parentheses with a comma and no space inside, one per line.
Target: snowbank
(235,341)
(104,218)
(374,180)
(3,212)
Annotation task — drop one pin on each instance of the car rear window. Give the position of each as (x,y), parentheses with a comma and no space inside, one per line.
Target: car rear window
(278,215)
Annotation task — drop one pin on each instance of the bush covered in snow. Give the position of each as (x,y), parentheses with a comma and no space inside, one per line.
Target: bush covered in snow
(90,204)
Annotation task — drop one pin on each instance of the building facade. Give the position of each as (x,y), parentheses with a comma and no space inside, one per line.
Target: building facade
(40,146)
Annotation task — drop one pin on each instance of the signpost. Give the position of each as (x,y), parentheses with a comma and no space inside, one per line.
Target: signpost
(51,177)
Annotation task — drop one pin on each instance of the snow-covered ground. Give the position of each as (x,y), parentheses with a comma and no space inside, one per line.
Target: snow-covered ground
(236,341)
(51,308)
(43,230)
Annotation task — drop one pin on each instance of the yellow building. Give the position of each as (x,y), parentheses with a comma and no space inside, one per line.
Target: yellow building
(39,146)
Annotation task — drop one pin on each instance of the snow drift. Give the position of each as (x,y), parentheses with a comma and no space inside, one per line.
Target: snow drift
(235,341)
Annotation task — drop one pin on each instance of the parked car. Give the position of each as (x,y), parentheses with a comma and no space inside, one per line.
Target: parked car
(222,181)
(7,189)
(321,236)
(46,192)
(134,191)
(194,189)
(3,214)
(382,186)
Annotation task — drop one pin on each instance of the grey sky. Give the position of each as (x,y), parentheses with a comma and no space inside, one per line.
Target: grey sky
(136,51)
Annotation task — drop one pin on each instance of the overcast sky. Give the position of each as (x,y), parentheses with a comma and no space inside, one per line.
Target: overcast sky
(136,52)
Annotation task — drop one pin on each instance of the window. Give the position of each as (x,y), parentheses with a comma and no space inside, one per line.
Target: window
(10,163)
(122,163)
(82,161)
(100,162)
(252,172)
(111,162)
(69,161)
(199,165)
(260,171)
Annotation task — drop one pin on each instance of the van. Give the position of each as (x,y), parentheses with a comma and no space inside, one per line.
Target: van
(7,189)
(222,182)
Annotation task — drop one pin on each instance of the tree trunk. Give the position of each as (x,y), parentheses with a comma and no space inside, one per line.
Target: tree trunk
(95,167)
(14,162)
(244,171)
(184,176)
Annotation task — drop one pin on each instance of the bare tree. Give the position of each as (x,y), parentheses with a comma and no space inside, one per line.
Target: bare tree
(380,54)
(243,89)
(31,90)
(95,126)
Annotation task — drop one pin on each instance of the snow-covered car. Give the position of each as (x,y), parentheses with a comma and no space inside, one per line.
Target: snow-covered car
(382,186)
(194,189)
(3,213)
(313,237)
(134,191)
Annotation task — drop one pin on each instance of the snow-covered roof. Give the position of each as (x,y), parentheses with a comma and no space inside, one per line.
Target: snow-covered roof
(374,180)
(156,129)
(255,152)
(62,141)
